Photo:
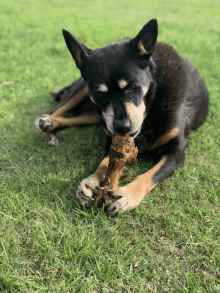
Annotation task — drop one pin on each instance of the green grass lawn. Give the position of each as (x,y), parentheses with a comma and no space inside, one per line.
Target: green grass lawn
(170,243)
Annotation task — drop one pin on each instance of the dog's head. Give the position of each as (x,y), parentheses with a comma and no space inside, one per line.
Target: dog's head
(118,77)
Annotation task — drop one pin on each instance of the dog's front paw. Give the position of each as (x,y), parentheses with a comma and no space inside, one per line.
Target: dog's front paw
(86,189)
(44,123)
(124,201)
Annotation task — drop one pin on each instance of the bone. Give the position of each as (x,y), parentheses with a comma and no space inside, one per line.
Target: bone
(122,153)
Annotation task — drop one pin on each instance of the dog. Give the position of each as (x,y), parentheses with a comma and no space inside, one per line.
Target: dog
(135,86)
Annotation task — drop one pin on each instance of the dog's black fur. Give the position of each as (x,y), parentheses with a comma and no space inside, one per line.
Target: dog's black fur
(145,89)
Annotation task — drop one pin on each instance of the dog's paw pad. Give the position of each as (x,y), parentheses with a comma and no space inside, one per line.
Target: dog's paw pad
(43,123)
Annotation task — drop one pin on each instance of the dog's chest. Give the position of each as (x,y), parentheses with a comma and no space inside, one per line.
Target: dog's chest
(146,138)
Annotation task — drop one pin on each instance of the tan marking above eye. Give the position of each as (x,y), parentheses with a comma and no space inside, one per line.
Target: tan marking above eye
(103,88)
(122,83)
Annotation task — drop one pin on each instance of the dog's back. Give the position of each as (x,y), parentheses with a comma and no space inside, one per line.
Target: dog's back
(196,98)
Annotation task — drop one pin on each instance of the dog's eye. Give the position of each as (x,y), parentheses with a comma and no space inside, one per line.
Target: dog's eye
(101,95)
(130,89)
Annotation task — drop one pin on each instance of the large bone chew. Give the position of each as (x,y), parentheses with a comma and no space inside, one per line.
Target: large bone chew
(122,152)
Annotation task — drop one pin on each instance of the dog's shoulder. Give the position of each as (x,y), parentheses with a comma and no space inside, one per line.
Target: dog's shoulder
(164,97)
(169,65)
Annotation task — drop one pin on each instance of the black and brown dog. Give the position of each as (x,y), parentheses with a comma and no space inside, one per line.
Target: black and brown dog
(138,87)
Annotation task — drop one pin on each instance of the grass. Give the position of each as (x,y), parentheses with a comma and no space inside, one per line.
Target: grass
(170,243)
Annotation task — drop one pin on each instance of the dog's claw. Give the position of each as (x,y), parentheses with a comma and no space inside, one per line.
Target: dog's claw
(113,210)
(99,188)
(110,192)
(86,190)
(114,193)
(83,199)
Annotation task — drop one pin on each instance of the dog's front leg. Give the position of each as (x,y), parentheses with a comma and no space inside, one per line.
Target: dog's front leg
(89,185)
(132,194)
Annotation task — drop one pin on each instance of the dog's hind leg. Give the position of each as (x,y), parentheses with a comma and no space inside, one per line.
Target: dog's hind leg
(46,125)
(70,97)
(60,94)
(77,97)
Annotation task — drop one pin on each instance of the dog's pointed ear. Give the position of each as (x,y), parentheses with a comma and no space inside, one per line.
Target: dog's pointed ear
(77,49)
(145,41)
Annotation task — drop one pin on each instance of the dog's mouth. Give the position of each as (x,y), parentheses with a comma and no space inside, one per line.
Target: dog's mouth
(133,134)
(131,126)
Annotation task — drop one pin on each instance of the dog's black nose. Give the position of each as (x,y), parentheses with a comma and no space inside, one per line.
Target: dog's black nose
(122,126)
